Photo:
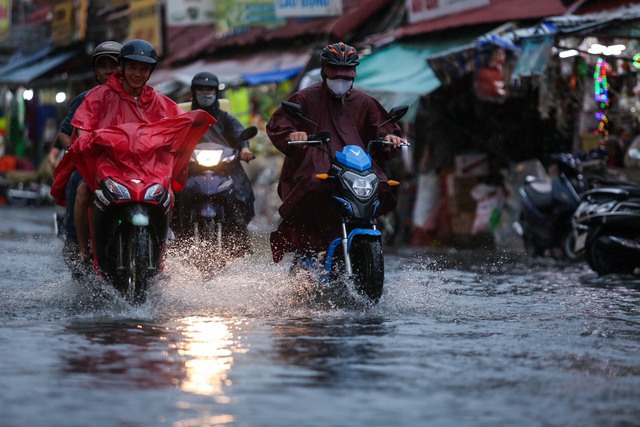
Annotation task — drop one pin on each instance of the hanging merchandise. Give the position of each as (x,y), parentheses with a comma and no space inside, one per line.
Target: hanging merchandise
(636,60)
(601,95)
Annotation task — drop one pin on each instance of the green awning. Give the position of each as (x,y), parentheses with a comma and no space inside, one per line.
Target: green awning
(399,73)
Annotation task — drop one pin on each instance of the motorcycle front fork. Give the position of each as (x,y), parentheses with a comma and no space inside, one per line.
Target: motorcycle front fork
(345,248)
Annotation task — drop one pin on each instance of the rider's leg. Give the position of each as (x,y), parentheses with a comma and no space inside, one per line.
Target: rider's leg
(81,212)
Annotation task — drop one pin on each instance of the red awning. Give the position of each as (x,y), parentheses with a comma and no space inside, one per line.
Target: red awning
(497,11)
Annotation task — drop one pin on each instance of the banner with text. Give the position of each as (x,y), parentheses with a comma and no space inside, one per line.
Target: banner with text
(191,12)
(308,8)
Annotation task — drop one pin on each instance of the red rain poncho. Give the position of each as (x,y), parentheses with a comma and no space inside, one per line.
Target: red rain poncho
(159,151)
(110,105)
(306,223)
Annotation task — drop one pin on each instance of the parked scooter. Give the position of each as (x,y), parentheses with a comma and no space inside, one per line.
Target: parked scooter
(548,204)
(207,210)
(610,221)
(356,255)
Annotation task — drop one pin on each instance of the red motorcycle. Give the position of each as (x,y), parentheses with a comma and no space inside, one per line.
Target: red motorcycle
(133,169)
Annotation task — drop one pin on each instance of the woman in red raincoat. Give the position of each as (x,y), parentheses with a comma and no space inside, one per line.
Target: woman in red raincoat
(352,118)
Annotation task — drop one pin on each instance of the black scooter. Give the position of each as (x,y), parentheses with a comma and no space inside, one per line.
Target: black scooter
(545,222)
(611,218)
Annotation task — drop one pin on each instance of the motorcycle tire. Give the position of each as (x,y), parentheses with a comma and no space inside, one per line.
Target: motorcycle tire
(600,260)
(138,260)
(367,264)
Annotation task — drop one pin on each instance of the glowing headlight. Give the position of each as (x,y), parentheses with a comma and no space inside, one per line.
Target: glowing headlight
(208,158)
(154,192)
(361,186)
(118,191)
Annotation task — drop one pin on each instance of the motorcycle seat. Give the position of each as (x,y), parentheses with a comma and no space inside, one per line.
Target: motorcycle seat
(539,191)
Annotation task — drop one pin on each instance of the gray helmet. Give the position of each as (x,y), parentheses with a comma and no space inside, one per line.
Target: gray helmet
(108,48)
(138,51)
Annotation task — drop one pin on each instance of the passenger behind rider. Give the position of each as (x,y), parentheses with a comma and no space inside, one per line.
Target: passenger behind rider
(104,62)
(351,117)
(125,98)
(205,95)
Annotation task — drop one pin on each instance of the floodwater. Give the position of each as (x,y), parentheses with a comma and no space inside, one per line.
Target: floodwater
(460,338)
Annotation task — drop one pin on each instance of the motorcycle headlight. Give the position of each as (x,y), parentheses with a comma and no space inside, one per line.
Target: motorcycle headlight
(208,158)
(154,192)
(604,207)
(361,186)
(117,191)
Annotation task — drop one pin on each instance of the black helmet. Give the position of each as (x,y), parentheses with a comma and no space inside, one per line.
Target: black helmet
(138,51)
(340,54)
(108,48)
(205,79)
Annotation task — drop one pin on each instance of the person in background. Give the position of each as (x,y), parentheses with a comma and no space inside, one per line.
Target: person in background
(351,117)
(205,95)
(104,62)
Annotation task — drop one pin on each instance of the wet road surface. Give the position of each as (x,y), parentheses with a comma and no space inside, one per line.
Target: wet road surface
(460,338)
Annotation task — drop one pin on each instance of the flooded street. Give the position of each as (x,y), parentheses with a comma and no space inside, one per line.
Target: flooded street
(459,338)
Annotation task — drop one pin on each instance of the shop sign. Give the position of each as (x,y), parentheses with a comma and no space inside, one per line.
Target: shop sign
(424,10)
(145,23)
(5,18)
(308,8)
(62,23)
(69,22)
(191,12)
(232,14)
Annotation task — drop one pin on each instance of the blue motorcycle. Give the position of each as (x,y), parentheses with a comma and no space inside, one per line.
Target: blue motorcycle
(355,256)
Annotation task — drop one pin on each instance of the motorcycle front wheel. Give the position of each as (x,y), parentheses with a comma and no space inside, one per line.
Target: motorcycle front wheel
(138,260)
(602,261)
(367,265)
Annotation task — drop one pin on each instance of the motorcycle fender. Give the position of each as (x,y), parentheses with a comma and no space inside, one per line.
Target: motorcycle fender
(335,244)
(361,232)
(208,210)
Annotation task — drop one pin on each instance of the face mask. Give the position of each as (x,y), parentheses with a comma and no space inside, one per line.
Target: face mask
(339,86)
(206,100)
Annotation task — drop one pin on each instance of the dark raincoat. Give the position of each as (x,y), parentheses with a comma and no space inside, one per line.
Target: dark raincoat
(308,221)
(226,131)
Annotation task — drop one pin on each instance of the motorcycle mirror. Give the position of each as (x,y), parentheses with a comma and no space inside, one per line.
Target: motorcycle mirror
(248,133)
(397,113)
(296,111)
(293,109)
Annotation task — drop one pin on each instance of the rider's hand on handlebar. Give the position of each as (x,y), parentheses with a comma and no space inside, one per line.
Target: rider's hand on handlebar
(395,140)
(246,155)
(298,136)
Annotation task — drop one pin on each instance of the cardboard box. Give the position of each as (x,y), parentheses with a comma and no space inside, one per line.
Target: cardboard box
(472,164)
(459,190)
(461,223)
